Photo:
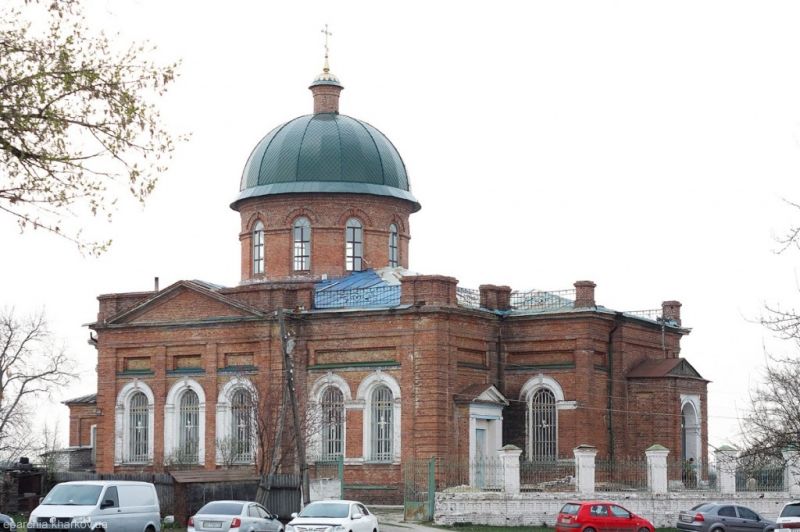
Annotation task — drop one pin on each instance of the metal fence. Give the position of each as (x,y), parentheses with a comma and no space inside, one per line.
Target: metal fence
(683,475)
(375,297)
(468,297)
(766,477)
(542,300)
(655,314)
(621,474)
(474,475)
(547,475)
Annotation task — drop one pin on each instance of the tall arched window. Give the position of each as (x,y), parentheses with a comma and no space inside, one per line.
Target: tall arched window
(382,424)
(258,248)
(354,245)
(543,425)
(242,425)
(189,426)
(302,244)
(332,423)
(139,426)
(394,250)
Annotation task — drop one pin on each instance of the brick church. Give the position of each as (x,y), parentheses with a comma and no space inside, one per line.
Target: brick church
(395,365)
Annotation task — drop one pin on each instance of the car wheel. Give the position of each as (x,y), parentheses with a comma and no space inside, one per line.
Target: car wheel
(716,529)
(589,529)
(150,529)
(644,529)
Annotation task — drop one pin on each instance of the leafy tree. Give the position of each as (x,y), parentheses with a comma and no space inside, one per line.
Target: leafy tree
(31,367)
(78,122)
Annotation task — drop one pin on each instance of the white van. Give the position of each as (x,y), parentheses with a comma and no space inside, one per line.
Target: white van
(101,505)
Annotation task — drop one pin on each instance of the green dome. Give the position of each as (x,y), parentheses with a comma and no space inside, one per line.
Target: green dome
(326,153)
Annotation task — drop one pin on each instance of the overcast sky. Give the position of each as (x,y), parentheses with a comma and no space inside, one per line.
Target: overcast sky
(647,146)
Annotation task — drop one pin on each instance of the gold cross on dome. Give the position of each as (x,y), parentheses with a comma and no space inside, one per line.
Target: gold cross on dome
(327,34)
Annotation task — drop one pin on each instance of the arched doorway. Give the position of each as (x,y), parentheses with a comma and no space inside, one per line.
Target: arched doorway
(690,443)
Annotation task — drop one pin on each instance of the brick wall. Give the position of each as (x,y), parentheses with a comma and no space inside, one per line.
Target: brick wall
(328,215)
(433,349)
(81,418)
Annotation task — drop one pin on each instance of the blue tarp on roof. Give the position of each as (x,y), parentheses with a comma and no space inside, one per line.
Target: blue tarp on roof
(364,289)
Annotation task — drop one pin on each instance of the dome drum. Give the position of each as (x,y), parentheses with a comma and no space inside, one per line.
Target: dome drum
(326,234)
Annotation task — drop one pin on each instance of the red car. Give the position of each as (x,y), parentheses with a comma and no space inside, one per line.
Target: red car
(600,516)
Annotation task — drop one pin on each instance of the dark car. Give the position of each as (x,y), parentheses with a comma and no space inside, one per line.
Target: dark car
(599,516)
(723,517)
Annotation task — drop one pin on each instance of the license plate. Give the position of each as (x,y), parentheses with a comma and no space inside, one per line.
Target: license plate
(212,524)
(686,518)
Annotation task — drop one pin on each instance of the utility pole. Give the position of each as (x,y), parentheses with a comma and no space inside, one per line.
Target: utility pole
(287,345)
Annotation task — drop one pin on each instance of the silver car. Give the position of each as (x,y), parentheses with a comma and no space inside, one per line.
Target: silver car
(722,517)
(244,516)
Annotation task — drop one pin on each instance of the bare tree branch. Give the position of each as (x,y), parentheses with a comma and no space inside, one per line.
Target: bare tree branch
(31,367)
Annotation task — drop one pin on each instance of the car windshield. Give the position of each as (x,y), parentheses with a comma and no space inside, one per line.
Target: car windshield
(326,509)
(791,510)
(222,508)
(74,495)
(704,507)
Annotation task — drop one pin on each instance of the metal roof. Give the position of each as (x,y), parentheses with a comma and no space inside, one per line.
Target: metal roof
(83,399)
(365,289)
(325,152)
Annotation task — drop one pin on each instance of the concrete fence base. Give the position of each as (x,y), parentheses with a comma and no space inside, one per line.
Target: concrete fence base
(537,509)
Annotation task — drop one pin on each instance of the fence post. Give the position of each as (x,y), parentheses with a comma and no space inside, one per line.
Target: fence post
(726,468)
(509,460)
(431,487)
(791,473)
(340,472)
(657,468)
(584,467)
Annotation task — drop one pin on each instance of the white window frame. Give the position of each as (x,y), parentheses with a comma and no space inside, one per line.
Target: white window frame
(354,246)
(172,418)
(259,244)
(365,395)
(225,420)
(249,405)
(314,445)
(394,246)
(529,389)
(301,248)
(122,439)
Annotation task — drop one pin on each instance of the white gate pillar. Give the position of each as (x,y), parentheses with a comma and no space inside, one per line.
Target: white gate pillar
(657,468)
(726,468)
(509,458)
(584,467)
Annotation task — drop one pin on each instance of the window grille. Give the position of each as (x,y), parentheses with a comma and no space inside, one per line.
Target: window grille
(139,422)
(543,425)
(242,425)
(382,424)
(354,245)
(394,252)
(189,419)
(258,248)
(332,423)
(302,244)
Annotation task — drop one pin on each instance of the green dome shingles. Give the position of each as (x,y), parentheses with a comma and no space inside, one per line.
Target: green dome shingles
(320,155)
(361,159)
(325,152)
